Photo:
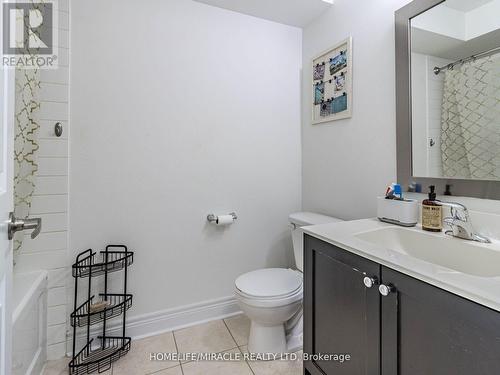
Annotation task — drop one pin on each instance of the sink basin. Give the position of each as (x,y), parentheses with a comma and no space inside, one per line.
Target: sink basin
(459,255)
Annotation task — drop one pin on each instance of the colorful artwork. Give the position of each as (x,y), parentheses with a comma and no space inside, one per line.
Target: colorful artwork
(338,62)
(339,82)
(332,83)
(326,108)
(339,104)
(319,71)
(319,93)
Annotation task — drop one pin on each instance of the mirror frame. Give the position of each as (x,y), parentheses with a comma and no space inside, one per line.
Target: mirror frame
(460,187)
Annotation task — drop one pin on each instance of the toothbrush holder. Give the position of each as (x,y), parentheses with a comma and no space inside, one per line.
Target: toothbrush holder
(399,212)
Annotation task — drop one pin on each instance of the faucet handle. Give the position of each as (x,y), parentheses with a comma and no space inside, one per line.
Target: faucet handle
(460,213)
(449,221)
(457,210)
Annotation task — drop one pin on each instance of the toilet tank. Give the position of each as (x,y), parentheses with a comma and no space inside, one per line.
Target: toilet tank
(297,221)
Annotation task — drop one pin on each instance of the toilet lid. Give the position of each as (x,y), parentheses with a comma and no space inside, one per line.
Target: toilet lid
(269,282)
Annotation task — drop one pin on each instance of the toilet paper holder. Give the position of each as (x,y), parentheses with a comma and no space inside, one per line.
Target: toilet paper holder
(212,218)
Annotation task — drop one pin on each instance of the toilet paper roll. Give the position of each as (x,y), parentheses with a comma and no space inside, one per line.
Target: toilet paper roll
(224,219)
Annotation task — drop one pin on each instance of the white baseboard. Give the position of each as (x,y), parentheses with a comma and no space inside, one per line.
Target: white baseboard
(165,321)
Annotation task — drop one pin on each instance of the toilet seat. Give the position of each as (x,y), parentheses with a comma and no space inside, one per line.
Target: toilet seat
(270,303)
(270,287)
(269,282)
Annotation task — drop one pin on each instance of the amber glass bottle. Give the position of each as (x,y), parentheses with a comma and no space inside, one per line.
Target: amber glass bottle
(432,213)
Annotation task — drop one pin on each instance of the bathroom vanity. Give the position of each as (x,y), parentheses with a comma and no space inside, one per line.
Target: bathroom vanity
(370,293)
(401,301)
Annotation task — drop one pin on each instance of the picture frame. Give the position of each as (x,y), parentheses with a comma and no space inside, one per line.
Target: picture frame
(332,83)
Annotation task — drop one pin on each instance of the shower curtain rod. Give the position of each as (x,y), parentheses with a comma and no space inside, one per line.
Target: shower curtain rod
(490,52)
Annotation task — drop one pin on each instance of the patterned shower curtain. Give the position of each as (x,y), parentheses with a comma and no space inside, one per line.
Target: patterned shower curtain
(470,126)
(25,144)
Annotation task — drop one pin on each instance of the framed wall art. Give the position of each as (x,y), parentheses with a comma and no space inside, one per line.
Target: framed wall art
(332,83)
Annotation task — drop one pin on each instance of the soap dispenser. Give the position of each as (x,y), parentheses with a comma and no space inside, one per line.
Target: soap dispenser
(432,212)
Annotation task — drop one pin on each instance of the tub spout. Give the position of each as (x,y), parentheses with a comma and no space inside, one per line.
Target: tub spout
(16,225)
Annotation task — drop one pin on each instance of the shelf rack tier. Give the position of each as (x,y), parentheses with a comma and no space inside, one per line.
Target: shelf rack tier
(118,304)
(90,360)
(112,261)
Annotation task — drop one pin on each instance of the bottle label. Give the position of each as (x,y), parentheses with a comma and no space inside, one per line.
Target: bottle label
(432,217)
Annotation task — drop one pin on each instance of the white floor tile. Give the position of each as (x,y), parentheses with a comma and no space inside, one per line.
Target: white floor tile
(278,367)
(137,361)
(239,326)
(57,367)
(211,337)
(170,371)
(217,367)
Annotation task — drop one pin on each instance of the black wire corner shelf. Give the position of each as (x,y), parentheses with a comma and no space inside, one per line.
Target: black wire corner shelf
(118,303)
(90,360)
(111,261)
(92,357)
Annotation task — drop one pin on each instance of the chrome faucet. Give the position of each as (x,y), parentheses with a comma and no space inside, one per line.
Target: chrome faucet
(460,223)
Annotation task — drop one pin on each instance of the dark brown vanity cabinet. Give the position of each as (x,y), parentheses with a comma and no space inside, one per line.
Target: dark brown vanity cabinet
(341,315)
(407,328)
(427,330)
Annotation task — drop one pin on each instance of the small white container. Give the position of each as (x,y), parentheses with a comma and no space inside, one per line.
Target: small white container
(404,213)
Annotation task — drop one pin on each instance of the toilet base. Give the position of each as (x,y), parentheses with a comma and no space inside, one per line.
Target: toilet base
(294,335)
(267,339)
(275,339)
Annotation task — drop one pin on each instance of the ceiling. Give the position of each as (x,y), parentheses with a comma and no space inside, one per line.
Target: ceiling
(298,13)
(466,5)
(429,43)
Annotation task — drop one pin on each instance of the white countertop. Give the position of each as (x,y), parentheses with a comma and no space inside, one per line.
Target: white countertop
(482,290)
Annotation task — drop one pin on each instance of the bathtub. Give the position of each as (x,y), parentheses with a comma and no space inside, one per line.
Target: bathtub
(29,322)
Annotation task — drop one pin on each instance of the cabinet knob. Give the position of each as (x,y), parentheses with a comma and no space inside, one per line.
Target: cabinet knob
(370,281)
(385,290)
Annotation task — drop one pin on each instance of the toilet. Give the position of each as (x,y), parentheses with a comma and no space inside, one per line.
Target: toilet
(272,297)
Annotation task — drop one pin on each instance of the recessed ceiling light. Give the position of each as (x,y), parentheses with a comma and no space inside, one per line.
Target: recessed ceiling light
(328,1)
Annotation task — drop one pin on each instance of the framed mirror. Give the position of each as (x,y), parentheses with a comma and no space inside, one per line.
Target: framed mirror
(448,96)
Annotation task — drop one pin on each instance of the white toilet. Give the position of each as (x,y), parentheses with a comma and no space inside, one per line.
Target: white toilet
(272,297)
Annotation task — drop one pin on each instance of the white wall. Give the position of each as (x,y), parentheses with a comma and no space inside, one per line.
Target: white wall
(49,250)
(420,128)
(347,163)
(427,98)
(179,109)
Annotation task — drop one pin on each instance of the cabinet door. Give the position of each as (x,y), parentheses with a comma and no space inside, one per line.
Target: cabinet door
(428,331)
(341,315)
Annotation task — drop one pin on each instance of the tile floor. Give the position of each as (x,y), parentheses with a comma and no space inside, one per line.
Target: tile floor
(220,336)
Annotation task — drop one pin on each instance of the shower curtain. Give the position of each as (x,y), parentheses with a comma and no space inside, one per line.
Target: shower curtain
(27,110)
(470,126)
(25,144)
